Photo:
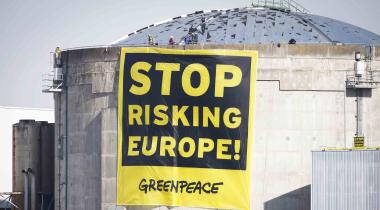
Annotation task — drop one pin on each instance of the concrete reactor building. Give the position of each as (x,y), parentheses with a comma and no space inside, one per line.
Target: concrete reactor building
(316,89)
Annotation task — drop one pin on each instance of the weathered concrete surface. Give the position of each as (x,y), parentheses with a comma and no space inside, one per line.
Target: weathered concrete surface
(33,148)
(301,105)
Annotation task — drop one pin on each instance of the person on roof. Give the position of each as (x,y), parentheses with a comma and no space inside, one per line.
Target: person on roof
(171,41)
(203,24)
(188,38)
(194,38)
(150,40)
(192,29)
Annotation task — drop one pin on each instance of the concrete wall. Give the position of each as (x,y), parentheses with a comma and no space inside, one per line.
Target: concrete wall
(301,105)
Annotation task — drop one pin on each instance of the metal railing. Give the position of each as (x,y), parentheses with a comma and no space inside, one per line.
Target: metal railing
(52,82)
(280,4)
(368,80)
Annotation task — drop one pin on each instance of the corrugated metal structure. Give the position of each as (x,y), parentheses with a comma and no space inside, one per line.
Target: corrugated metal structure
(348,180)
(33,165)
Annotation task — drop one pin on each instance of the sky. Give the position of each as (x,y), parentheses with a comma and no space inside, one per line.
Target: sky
(31,29)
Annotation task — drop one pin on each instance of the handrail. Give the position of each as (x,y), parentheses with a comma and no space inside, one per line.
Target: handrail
(281,4)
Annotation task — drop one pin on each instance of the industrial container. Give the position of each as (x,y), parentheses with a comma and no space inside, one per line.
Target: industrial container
(33,164)
(346,179)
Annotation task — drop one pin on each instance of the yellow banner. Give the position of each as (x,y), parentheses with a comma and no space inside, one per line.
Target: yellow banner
(185,127)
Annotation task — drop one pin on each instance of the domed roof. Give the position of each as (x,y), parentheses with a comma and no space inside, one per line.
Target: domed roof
(252,25)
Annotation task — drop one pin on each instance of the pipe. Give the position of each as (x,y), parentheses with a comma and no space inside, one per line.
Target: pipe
(344,116)
(36,185)
(359,113)
(42,202)
(60,153)
(26,190)
(33,191)
(57,58)
(59,136)
(66,131)
(27,186)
